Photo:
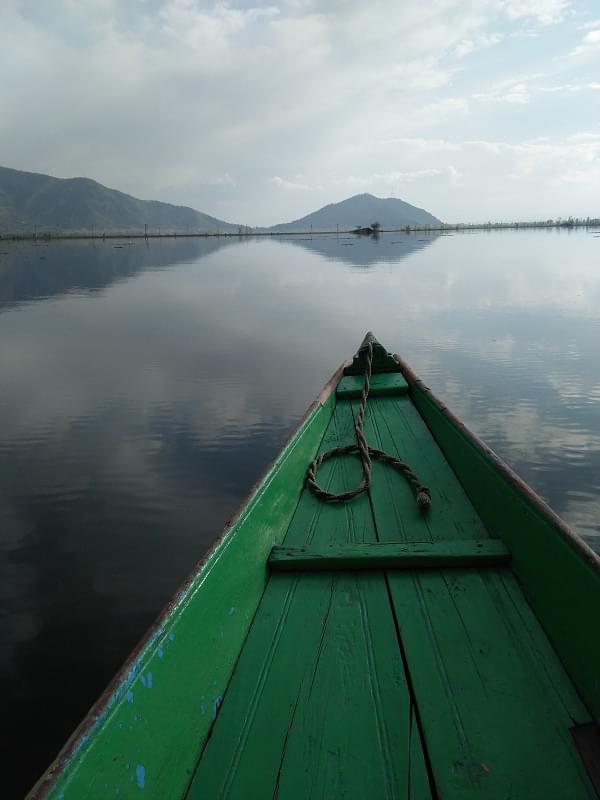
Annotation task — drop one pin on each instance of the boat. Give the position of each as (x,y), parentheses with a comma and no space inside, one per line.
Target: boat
(373,648)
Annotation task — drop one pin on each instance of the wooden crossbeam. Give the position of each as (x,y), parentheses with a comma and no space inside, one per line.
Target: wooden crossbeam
(390,555)
(381,386)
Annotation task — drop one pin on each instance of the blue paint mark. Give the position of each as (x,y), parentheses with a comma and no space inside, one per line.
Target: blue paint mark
(80,745)
(231,610)
(160,651)
(140,776)
(127,765)
(202,709)
(216,705)
(172,636)
(61,796)
(129,696)
(149,680)
(143,680)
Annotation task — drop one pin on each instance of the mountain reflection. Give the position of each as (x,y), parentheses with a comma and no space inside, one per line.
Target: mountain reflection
(38,270)
(365,251)
(32,271)
(149,384)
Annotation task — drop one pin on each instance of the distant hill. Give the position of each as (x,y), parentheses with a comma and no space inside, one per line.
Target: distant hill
(28,199)
(361,210)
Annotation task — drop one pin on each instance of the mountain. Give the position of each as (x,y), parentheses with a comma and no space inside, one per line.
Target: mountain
(28,200)
(361,210)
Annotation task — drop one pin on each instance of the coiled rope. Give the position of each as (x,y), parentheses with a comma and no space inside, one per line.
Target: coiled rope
(367,453)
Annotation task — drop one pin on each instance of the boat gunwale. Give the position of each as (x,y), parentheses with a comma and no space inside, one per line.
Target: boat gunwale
(568,534)
(52,773)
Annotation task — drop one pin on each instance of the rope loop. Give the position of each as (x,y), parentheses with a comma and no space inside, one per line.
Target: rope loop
(367,454)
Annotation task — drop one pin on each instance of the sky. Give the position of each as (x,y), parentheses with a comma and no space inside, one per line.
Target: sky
(260,112)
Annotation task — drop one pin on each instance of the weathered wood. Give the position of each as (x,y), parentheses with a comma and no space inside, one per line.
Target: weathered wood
(559,573)
(318,706)
(149,728)
(493,699)
(380,386)
(382,360)
(407,683)
(395,426)
(390,555)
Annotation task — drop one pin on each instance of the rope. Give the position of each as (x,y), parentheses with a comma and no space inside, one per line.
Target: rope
(366,453)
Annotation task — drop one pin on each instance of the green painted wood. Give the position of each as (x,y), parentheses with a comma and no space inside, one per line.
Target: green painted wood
(561,584)
(318,705)
(451,516)
(494,701)
(390,555)
(382,360)
(151,730)
(380,386)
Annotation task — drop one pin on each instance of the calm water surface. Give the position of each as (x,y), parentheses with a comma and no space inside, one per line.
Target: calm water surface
(145,387)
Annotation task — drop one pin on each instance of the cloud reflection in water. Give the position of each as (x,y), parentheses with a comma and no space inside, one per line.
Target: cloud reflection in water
(145,388)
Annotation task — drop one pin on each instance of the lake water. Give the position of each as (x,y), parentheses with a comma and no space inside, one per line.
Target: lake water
(145,386)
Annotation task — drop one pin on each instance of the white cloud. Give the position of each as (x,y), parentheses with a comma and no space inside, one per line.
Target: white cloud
(393,179)
(590,25)
(589,44)
(199,103)
(517,94)
(468,46)
(220,180)
(546,12)
(282,183)
(569,88)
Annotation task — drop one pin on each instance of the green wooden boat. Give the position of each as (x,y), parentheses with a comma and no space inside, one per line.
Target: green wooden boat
(365,649)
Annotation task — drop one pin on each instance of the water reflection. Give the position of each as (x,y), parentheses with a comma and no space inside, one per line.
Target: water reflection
(39,270)
(144,389)
(365,251)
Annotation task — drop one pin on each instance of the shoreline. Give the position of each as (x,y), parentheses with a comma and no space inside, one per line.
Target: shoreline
(444,228)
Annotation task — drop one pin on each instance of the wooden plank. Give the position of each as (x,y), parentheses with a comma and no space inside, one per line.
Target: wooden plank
(560,577)
(351,736)
(390,555)
(394,425)
(318,705)
(390,384)
(493,699)
(495,716)
(150,728)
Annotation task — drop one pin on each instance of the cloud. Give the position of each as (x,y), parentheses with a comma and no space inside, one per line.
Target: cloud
(281,183)
(590,25)
(468,46)
(545,12)
(589,44)
(570,88)
(517,94)
(220,180)
(221,105)
(393,179)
